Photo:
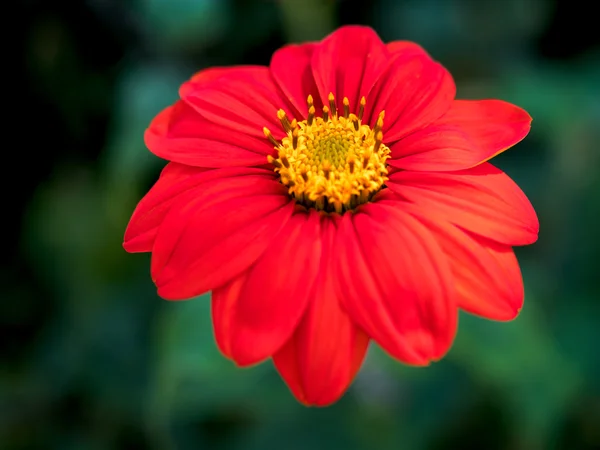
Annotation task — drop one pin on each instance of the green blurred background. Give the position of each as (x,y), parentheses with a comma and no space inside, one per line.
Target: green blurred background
(91,359)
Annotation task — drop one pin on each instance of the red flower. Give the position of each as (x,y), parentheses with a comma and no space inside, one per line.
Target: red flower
(320,222)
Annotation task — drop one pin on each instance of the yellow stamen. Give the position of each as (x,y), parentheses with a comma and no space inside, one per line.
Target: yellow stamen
(355,121)
(379,124)
(285,122)
(331,99)
(311,115)
(361,108)
(295,137)
(270,137)
(331,163)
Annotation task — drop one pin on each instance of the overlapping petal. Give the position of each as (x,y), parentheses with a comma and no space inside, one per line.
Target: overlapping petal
(291,68)
(486,274)
(347,63)
(254,317)
(217,231)
(321,359)
(175,180)
(395,282)
(243,100)
(223,301)
(469,133)
(203,78)
(483,200)
(414,92)
(179,133)
(405,49)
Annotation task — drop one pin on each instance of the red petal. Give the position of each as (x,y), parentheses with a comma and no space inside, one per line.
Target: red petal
(180,134)
(219,186)
(468,134)
(347,63)
(405,48)
(175,179)
(204,77)
(291,69)
(435,148)
(243,100)
(276,291)
(288,365)
(216,232)
(414,92)
(486,274)
(494,125)
(223,301)
(396,283)
(320,361)
(483,200)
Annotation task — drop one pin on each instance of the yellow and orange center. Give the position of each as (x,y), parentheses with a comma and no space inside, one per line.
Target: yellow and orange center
(332,163)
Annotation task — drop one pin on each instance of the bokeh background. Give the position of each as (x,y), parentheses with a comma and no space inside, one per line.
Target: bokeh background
(92,359)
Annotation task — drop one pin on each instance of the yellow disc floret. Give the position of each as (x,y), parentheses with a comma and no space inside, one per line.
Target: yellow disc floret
(331,163)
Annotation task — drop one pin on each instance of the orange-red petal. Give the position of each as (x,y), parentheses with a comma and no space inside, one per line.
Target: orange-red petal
(321,359)
(486,274)
(291,69)
(276,291)
(175,179)
(470,133)
(405,48)
(204,77)
(483,200)
(215,232)
(347,63)
(223,301)
(179,133)
(243,100)
(414,92)
(396,283)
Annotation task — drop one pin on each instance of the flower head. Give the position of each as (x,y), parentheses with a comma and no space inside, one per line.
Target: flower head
(339,195)
(332,163)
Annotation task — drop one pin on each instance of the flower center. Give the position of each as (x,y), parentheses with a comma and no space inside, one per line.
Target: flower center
(332,163)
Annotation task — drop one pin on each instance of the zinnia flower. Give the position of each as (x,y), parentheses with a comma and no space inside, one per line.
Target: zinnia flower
(339,195)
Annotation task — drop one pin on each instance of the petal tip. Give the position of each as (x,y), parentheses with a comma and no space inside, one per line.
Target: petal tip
(128,247)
